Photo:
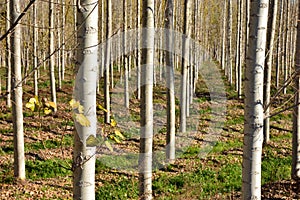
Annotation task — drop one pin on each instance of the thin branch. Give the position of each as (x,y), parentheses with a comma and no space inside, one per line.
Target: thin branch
(17,21)
(287,82)
(281,111)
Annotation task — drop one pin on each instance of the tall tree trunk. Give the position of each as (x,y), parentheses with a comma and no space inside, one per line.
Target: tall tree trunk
(51,51)
(296,113)
(253,127)
(35,58)
(146,139)
(107,63)
(238,44)
(268,69)
(8,58)
(138,54)
(17,93)
(287,44)
(184,67)
(85,92)
(126,57)
(63,46)
(279,46)
(242,50)
(223,62)
(229,42)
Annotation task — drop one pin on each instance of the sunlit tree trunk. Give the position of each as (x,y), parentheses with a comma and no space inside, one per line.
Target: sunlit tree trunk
(287,44)
(35,44)
(107,63)
(279,46)
(253,127)
(238,44)
(170,150)
(242,49)
(184,68)
(229,42)
(146,138)
(85,92)
(8,58)
(223,61)
(51,51)
(138,54)
(17,93)
(63,57)
(126,57)
(296,113)
(268,69)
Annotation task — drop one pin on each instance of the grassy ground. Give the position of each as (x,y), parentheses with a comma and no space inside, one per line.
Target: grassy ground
(49,141)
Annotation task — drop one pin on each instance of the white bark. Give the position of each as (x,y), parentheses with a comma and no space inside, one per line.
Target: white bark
(138,54)
(17,93)
(8,58)
(85,92)
(296,114)
(170,150)
(254,77)
(35,58)
(184,68)
(51,50)
(107,63)
(229,42)
(268,74)
(223,61)
(146,139)
(63,57)
(126,57)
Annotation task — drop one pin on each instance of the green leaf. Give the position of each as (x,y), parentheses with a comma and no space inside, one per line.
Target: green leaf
(82,120)
(92,141)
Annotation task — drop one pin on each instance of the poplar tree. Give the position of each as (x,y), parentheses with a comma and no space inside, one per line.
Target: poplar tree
(254,115)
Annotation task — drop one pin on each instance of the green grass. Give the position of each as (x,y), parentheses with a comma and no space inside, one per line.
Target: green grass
(47,169)
(123,188)
(67,140)
(225,146)
(235,120)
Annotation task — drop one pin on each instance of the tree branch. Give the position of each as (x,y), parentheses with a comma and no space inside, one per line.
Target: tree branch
(17,21)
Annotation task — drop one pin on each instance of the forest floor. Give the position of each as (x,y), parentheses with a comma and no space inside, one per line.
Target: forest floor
(49,141)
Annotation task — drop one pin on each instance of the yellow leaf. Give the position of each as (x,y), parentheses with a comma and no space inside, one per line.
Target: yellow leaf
(37,102)
(108,145)
(74,104)
(118,133)
(92,141)
(80,109)
(33,100)
(82,120)
(102,108)
(116,139)
(47,111)
(50,104)
(113,122)
(30,105)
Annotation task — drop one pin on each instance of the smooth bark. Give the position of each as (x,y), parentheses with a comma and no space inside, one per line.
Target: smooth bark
(17,93)
(254,77)
(296,113)
(85,92)
(146,139)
